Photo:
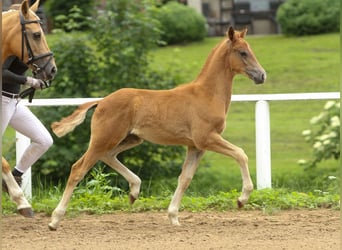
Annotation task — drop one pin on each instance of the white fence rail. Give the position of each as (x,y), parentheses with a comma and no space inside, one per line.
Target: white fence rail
(262,122)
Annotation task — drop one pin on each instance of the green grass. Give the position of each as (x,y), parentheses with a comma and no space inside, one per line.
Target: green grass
(303,64)
(267,200)
(95,196)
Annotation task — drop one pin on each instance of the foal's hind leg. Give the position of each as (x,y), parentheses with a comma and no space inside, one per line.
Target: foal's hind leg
(110,159)
(190,165)
(78,171)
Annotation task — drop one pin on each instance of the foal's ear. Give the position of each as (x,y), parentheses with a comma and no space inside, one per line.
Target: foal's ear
(243,32)
(35,6)
(231,34)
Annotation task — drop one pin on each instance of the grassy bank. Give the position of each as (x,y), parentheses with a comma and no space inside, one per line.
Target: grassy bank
(90,201)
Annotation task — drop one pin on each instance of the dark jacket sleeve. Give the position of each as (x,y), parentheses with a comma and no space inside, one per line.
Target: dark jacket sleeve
(10,77)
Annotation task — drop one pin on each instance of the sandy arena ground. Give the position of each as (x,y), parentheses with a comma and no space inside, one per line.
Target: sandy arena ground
(247,230)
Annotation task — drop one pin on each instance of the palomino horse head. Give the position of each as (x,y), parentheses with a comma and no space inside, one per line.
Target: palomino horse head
(22,36)
(242,59)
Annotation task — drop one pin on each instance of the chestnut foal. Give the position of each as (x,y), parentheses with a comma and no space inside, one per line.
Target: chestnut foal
(192,114)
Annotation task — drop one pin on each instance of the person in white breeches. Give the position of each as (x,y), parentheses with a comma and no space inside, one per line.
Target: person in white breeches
(19,117)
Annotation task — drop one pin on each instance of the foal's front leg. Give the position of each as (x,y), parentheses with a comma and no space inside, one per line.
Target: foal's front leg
(111,159)
(217,144)
(190,165)
(133,180)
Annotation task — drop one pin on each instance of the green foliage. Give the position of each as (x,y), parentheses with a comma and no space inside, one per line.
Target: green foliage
(181,24)
(307,17)
(325,134)
(57,9)
(124,34)
(270,199)
(77,67)
(73,21)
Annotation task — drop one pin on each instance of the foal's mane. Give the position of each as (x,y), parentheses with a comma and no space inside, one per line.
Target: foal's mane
(220,51)
(214,51)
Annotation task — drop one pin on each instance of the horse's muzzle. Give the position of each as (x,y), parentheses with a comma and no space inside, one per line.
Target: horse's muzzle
(260,79)
(258,76)
(52,73)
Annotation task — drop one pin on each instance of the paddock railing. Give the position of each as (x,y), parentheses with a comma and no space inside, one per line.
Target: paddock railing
(262,128)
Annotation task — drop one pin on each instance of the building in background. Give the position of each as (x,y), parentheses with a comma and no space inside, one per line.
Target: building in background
(259,16)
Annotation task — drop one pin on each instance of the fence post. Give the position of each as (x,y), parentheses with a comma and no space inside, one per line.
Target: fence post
(263,145)
(22,142)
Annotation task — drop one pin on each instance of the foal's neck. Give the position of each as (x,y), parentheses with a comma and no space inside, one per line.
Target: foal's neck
(216,76)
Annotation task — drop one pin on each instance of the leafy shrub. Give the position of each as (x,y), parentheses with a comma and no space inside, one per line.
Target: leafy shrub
(325,137)
(77,69)
(181,23)
(124,34)
(61,7)
(73,21)
(307,17)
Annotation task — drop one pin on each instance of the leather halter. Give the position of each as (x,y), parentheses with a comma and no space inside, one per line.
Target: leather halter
(31,57)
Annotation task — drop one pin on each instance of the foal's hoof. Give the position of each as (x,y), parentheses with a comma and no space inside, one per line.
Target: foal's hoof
(239,204)
(52,228)
(26,212)
(131,199)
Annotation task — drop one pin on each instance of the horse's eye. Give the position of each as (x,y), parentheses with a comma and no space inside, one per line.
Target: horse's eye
(36,35)
(243,53)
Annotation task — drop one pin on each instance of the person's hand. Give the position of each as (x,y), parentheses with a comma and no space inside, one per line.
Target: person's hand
(36,83)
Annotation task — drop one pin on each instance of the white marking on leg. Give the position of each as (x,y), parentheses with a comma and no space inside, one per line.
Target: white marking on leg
(189,168)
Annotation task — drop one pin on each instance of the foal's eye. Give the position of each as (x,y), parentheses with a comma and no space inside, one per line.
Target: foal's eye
(243,53)
(36,35)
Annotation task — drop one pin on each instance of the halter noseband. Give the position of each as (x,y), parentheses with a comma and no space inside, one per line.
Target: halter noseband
(31,57)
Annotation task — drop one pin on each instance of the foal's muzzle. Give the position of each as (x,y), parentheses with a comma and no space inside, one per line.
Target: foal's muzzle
(258,76)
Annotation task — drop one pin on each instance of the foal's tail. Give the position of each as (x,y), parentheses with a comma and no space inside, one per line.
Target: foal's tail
(67,124)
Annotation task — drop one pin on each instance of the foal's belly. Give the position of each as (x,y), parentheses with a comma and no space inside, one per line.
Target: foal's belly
(164,137)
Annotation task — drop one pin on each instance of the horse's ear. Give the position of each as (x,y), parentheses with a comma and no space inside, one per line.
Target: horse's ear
(35,6)
(231,34)
(244,32)
(24,8)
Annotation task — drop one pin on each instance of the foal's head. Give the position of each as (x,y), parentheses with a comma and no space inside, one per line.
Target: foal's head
(241,57)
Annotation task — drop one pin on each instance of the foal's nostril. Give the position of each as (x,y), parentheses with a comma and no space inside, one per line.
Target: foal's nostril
(53,71)
(263,77)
